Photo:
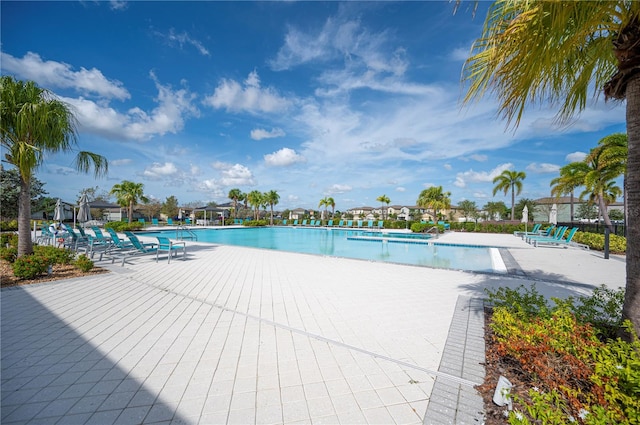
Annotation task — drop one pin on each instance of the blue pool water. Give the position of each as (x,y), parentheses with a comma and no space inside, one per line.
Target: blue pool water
(398,248)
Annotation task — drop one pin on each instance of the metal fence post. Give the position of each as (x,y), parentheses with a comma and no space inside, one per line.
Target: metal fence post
(606,242)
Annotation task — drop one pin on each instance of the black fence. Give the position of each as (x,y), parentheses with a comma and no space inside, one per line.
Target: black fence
(618,229)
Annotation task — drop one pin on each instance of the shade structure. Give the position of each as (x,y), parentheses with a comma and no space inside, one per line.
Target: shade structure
(553,214)
(58,213)
(180,214)
(84,212)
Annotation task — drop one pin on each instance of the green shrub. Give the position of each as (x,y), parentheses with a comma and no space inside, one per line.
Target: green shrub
(617,244)
(121,226)
(9,254)
(54,255)
(30,266)
(9,238)
(83,263)
(256,223)
(9,226)
(574,374)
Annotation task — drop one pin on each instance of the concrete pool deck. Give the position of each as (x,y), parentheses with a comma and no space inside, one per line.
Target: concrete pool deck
(241,335)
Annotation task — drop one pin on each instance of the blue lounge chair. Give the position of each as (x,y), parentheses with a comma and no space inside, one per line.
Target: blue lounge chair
(557,235)
(558,242)
(330,223)
(312,223)
(141,220)
(534,231)
(119,243)
(370,224)
(304,222)
(349,223)
(284,222)
(341,223)
(154,221)
(167,245)
(170,221)
(138,249)
(359,224)
(187,221)
(295,222)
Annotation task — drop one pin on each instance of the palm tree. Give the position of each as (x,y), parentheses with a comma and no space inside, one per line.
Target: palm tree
(35,123)
(559,52)
(571,178)
(254,198)
(128,194)
(332,203)
(384,199)
(324,202)
(614,156)
(599,182)
(435,199)
(509,180)
(235,195)
(272,198)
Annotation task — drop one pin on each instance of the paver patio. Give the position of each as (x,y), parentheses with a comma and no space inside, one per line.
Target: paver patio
(240,335)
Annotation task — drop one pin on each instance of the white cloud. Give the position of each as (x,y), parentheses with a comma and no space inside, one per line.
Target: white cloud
(53,74)
(283,158)
(260,133)
(480,177)
(233,175)
(542,168)
(447,166)
(479,158)
(338,188)
(167,117)
(184,38)
(401,189)
(576,157)
(158,171)
(249,97)
(460,54)
(118,162)
(118,4)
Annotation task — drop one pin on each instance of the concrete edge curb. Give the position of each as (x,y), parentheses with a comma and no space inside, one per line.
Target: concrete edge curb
(463,357)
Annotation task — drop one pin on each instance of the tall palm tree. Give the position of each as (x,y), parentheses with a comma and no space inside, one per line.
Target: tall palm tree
(384,199)
(272,198)
(571,177)
(33,124)
(254,198)
(509,180)
(614,156)
(530,52)
(235,195)
(599,182)
(435,199)
(332,203)
(128,194)
(324,202)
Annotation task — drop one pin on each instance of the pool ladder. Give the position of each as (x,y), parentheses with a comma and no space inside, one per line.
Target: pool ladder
(183,232)
(435,230)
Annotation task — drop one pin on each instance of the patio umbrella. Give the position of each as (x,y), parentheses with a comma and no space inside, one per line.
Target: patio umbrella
(84,212)
(553,214)
(180,214)
(58,214)
(525,217)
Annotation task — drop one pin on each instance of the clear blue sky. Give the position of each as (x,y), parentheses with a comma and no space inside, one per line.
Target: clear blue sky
(311,99)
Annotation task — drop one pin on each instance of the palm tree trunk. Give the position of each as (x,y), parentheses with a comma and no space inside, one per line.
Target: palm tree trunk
(513,203)
(603,211)
(25,246)
(130,211)
(572,207)
(631,307)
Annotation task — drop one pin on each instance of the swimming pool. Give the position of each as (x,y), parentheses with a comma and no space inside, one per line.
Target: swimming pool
(414,250)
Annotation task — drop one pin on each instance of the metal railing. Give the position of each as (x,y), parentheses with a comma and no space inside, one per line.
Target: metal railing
(183,232)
